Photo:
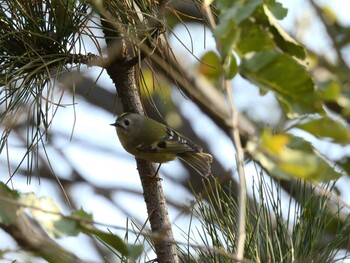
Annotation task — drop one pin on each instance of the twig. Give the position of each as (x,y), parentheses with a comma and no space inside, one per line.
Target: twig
(240,167)
(331,34)
(235,136)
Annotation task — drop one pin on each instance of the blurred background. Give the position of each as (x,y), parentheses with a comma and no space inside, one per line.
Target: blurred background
(83,156)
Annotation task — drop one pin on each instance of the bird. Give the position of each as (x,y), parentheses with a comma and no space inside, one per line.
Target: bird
(153,141)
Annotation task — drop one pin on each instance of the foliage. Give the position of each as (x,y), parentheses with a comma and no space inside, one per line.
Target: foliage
(279,229)
(41,40)
(285,156)
(48,215)
(36,44)
(274,62)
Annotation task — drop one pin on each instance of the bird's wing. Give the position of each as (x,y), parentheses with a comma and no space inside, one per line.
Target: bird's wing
(173,142)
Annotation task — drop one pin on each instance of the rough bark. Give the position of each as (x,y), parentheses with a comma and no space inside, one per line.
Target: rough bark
(123,77)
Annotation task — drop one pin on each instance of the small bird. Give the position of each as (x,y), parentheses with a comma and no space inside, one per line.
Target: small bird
(153,141)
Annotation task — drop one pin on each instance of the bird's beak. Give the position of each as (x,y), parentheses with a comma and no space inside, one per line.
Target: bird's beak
(117,124)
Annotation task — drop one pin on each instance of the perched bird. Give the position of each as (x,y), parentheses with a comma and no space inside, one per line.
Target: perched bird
(153,141)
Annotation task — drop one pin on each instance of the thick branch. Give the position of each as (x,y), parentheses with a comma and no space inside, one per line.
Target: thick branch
(31,237)
(124,79)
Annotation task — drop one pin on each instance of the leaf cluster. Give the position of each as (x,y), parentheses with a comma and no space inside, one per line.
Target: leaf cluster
(56,225)
(37,39)
(251,43)
(37,36)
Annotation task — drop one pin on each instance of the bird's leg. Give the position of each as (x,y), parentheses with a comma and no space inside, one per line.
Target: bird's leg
(155,177)
(157,170)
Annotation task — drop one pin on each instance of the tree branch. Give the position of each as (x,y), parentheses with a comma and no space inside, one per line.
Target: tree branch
(125,82)
(332,36)
(31,237)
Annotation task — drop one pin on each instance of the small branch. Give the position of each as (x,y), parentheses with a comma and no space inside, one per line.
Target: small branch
(235,136)
(331,34)
(208,98)
(89,59)
(31,237)
(240,167)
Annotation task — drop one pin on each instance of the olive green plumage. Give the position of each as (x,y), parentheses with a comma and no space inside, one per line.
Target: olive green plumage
(153,141)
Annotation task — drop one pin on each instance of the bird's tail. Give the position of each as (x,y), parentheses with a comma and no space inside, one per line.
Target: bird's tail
(198,160)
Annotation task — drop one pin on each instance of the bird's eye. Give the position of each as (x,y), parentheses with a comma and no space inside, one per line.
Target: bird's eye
(126,122)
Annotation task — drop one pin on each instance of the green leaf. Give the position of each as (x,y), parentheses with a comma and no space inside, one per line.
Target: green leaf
(127,250)
(325,127)
(80,221)
(286,78)
(345,164)
(66,226)
(8,211)
(223,5)
(227,31)
(231,67)
(210,65)
(226,34)
(254,37)
(245,8)
(82,214)
(330,90)
(285,156)
(71,225)
(282,39)
(277,9)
